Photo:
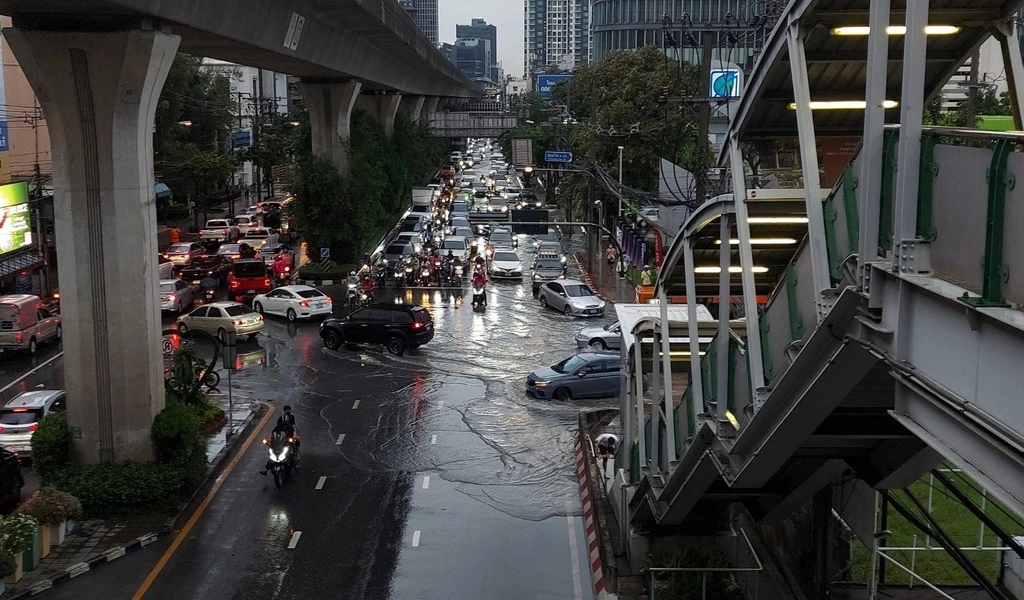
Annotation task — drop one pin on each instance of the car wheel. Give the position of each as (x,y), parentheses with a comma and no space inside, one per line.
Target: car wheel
(395,345)
(598,344)
(543,301)
(564,394)
(568,310)
(59,334)
(182,328)
(258,307)
(32,346)
(332,340)
(291,315)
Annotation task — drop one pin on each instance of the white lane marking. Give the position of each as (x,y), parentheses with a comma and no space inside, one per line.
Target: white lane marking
(577,589)
(433,439)
(31,371)
(440,403)
(320,482)
(341,438)
(292,543)
(426,481)
(416,538)
(355,405)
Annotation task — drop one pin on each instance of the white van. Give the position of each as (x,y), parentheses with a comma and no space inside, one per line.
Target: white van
(25,323)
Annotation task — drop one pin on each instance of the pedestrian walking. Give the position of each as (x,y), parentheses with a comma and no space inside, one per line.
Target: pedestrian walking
(607,446)
(610,255)
(624,261)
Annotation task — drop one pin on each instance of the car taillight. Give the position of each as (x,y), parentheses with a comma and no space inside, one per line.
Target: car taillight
(234,284)
(304,304)
(237,321)
(225,232)
(329,301)
(1,429)
(286,269)
(171,297)
(18,337)
(266,282)
(416,324)
(33,427)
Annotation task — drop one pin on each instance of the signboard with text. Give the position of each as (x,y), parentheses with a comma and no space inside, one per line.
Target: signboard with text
(546,84)
(557,156)
(15,221)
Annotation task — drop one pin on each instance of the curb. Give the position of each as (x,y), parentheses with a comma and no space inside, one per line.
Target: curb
(112,554)
(590,521)
(585,276)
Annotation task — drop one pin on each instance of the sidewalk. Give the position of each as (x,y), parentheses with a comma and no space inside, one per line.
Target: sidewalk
(596,273)
(97,541)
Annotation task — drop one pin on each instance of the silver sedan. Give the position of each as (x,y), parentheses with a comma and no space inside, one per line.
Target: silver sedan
(608,337)
(572,297)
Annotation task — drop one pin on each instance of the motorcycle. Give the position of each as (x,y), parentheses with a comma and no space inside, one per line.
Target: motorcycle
(282,457)
(366,293)
(352,297)
(381,275)
(425,275)
(479,296)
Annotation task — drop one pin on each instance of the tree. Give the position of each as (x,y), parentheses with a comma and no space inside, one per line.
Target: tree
(208,171)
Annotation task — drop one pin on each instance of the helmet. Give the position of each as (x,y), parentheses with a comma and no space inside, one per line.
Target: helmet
(352,273)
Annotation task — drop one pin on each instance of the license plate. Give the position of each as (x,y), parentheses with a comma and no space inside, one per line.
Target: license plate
(196,282)
(318,305)
(592,311)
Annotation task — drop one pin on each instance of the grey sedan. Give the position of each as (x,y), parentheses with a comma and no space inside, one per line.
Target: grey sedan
(571,297)
(608,337)
(585,375)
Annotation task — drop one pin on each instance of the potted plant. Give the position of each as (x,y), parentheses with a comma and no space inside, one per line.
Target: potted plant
(7,568)
(52,508)
(16,533)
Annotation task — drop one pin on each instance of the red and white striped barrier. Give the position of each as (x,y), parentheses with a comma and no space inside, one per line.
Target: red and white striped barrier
(590,523)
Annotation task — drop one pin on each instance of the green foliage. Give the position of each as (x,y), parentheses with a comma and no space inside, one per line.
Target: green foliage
(114,488)
(332,271)
(196,95)
(281,137)
(51,445)
(7,565)
(178,442)
(347,214)
(51,506)
(17,532)
(176,212)
(208,414)
(687,585)
(183,384)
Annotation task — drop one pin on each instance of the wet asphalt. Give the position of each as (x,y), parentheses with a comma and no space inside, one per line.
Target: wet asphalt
(438,476)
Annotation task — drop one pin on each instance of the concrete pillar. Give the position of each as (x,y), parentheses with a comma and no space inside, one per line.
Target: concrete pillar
(412,106)
(330,112)
(99,92)
(383,108)
(430,107)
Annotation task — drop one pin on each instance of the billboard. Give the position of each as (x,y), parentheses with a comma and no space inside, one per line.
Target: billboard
(15,224)
(546,83)
(725,83)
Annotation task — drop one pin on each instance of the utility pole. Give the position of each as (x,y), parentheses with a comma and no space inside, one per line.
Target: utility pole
(241,177)
(257,121)
(704,123)
(971,114)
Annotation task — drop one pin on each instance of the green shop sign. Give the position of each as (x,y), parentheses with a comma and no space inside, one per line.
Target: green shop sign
(15,224)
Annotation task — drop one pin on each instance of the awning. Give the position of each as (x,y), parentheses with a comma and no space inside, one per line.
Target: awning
(24,261)
(161,190)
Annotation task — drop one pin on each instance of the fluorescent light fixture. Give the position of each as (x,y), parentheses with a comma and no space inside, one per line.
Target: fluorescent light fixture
(843,104)
(679,353)
(777,220)
(716,270)
(732,419)
(763,241)
(896,30)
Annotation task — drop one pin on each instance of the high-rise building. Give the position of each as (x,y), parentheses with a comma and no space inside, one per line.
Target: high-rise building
(473,58)
(557,35)
(630,24)
(424,13)
(479,29)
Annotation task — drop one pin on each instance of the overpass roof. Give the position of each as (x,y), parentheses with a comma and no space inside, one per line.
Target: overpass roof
(837,64)
(373,41)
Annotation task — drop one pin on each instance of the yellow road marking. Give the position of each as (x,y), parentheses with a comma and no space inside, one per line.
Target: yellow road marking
(178,539)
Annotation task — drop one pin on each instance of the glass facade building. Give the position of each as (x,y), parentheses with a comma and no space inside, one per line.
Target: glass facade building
(630,24)
(424,13)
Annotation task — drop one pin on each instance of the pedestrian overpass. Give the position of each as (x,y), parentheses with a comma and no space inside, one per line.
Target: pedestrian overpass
(880,328)
(470,124)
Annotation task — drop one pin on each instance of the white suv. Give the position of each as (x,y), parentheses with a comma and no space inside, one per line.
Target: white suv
(20,417)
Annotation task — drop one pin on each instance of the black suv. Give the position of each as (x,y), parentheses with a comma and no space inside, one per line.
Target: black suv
(11,480)
(397,326)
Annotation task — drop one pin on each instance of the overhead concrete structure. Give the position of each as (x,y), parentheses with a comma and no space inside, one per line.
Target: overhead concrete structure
(330,112)
(412,106)
(383,108)
(99,94)
(372,41)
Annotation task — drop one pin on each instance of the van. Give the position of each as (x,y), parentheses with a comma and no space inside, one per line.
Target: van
(25,323)
(245,222)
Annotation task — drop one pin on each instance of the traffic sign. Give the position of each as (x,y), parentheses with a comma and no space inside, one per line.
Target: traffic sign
(325,253)
(557,157)
(241,139)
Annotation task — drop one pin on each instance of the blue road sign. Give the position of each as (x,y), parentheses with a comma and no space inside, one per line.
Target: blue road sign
(557,157)
(546,84)
(241,139)
(325,253)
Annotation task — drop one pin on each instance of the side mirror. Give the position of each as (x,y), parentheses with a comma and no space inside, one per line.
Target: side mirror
(562,294)
(581,373)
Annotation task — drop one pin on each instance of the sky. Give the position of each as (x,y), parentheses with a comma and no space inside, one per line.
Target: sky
(506,15)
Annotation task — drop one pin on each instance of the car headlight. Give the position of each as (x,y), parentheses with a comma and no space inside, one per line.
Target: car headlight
(536,277)
(540,383)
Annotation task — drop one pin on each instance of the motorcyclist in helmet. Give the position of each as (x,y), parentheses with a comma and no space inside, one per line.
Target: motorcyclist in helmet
(282,428)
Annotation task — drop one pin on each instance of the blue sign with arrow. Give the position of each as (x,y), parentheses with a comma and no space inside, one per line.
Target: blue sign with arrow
(557,157)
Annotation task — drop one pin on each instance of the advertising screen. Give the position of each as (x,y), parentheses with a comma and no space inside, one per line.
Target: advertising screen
(546,83)
(15,224)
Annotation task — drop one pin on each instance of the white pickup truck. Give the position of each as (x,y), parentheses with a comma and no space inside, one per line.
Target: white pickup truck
(218,230)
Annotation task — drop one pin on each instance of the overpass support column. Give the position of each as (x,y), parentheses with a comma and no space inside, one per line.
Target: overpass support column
(330,111)
(412,106)
(430,107)
(99,92)
(382,107)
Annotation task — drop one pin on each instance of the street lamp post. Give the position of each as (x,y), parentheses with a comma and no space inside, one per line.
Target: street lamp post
(620,181)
